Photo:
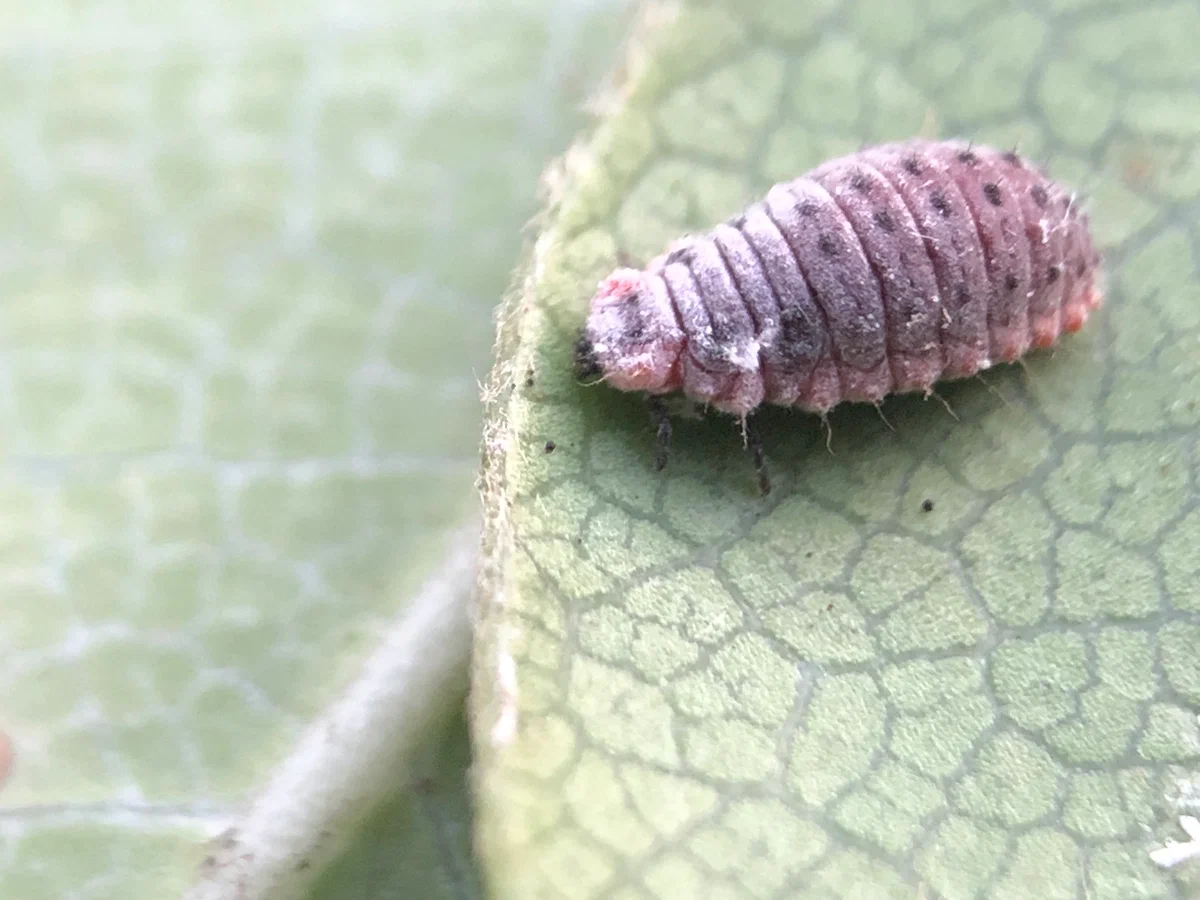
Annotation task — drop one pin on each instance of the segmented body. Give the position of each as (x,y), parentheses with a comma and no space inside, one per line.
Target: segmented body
(880,272)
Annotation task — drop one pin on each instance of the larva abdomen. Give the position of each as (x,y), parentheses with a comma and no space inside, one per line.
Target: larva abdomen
(880,272)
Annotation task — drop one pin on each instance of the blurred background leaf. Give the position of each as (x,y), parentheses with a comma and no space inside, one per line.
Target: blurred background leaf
(248,257)
(842,691)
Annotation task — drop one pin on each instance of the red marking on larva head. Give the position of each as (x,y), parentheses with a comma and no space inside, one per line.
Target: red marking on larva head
(622,284)
(631,338)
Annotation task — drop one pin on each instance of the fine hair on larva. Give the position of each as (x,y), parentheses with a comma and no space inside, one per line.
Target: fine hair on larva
(881,272)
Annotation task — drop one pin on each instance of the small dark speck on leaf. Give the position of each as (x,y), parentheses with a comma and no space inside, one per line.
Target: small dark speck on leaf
(808,555)
(550,445)
(927,505)
(829,608)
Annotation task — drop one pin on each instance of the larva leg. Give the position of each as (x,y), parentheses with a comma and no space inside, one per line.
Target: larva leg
(755,445)
(662,425)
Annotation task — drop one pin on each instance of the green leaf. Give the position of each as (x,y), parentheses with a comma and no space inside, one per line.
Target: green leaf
(418,842)
(369,741)
(247,258)
(682,690)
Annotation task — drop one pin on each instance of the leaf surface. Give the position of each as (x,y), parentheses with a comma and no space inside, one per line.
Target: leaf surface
(247,258)
(682,690)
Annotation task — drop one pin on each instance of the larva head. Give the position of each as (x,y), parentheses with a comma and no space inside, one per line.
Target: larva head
(631,339)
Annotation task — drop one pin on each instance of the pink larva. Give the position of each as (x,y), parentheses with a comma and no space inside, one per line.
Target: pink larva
(880,272)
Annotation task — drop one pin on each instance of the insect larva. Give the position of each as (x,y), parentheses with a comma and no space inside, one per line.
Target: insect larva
(880,272)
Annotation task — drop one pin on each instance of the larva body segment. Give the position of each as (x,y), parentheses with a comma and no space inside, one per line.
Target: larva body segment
(797,356)
(911,307)
(841,283)
(942,220)
(880,272)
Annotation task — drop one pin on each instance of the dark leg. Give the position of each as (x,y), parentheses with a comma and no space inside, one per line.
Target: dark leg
(662,425)
(755,445)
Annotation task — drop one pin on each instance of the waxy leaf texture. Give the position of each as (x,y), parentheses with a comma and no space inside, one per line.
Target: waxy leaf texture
(845,691)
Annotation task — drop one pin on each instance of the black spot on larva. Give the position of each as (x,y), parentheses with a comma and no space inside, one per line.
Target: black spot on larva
(807,209)
(681,255)
(550,445)
(1013,159)
(1080,269)
(912,165)
(860,182)
(968,157)
(939,202)
(962,296)
(884,220)
(738,221)
(1039,195)
(827,245)
(797,338)
(927,505)
(1052,274)
(635,327)
(991,190)
(723,329)
(1010,282)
